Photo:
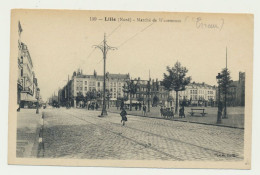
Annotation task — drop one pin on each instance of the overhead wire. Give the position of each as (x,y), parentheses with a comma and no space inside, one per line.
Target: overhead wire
(109,35)
(137,33)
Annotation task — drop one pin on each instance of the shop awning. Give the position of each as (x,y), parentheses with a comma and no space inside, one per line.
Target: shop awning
(27,97)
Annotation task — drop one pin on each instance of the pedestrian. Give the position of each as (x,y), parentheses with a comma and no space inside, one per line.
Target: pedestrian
(123,115)
(161,111)
(144,110)
(136,107)
(181,112)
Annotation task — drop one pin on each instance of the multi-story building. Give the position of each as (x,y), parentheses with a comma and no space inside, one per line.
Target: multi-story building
(236,92)
(150,91)
(27,84)
(197,94)
(81,84)
(20,66)
(27,77)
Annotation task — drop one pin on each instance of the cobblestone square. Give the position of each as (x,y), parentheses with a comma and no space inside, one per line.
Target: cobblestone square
(79,133)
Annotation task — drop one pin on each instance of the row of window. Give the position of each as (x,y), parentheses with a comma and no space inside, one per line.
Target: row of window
(94,88)
(195,97)
(193,91)
(146,95)
(93,83)
(111,89)
(113,95)
(200,92)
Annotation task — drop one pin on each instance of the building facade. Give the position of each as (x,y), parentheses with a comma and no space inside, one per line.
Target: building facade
(20,66)
(27,84)
(149,92)
(197,94)
(236,92)
(81,84)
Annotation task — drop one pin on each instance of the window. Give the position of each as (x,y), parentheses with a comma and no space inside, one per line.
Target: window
(86,83)
(86,88)
(81,88)
(98,84)
(77,88)
(114,89)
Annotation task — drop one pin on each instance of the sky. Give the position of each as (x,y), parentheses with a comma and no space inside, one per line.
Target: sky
(60,42)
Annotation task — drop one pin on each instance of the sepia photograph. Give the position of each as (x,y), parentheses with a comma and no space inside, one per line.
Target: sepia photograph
(130,89)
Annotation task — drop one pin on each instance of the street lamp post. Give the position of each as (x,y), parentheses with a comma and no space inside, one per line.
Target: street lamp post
(218,77)
(148,93)
(104,48)
(37,97)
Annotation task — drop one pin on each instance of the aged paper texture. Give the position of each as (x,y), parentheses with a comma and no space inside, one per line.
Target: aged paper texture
(130,89)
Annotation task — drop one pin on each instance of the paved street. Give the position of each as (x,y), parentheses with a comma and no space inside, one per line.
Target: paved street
(78,133)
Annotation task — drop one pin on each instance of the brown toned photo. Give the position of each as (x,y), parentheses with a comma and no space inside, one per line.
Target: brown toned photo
(130,89)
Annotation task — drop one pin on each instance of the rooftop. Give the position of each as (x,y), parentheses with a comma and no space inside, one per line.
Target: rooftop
(109,76)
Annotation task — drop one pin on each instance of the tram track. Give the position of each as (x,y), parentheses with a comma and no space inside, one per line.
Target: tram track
(215,152)
(125,137)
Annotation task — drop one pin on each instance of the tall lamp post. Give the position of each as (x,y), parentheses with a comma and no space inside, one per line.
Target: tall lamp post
(218,77)
(104,48)
(148,93)
(37,97)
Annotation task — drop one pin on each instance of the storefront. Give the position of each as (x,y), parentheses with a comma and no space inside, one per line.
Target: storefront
(27,101)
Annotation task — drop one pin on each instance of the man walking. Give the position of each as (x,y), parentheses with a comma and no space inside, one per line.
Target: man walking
(123,115)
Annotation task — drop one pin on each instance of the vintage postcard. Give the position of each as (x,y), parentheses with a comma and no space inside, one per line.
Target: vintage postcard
(130,89)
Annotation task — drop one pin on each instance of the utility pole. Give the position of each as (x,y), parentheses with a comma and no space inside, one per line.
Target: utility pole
(104,48)
(68,92)
(218,77)
(37,97)
(226,88)
(149,89)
